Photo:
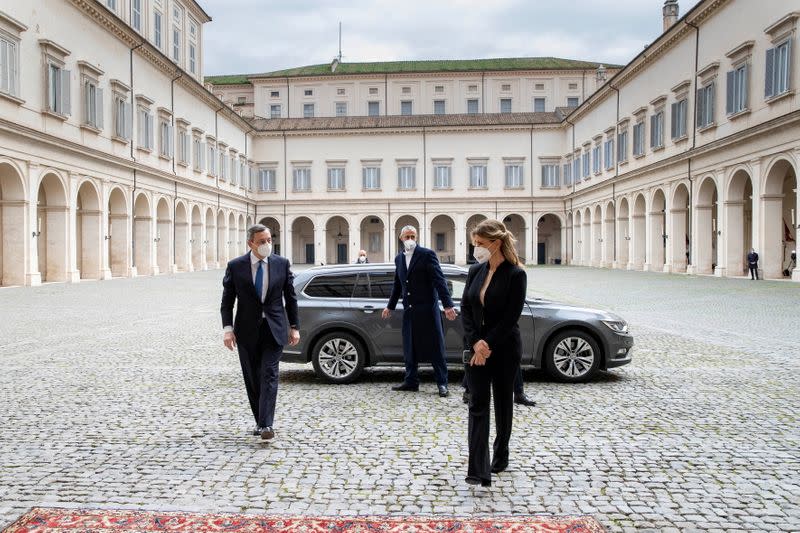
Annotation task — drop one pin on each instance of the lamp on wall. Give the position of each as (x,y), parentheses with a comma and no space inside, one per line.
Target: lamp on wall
(339,235)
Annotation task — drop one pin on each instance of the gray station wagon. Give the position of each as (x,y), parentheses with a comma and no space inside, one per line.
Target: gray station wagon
(342,331)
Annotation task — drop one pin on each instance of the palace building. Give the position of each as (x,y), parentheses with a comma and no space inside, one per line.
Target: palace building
(119,158)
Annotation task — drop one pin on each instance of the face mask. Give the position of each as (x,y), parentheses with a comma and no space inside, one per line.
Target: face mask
(362,259)
(409,244)
(265,250)
(481,254)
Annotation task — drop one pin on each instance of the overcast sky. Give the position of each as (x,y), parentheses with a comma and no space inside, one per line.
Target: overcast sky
(248,36)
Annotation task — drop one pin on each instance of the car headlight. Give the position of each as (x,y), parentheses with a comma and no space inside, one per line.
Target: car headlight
(617,326)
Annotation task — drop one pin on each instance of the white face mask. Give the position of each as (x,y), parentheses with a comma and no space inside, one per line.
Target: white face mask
(409,244)
(362,259)
(265,250)
(481,254)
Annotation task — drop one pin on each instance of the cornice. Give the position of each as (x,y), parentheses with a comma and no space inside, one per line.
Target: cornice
(399,130)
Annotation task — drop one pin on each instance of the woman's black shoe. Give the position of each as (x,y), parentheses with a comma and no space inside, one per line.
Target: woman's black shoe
(496,469)
(522,399)
(472,480)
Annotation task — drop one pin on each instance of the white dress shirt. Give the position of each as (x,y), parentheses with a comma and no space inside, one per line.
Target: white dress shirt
(408,254)
(254,261)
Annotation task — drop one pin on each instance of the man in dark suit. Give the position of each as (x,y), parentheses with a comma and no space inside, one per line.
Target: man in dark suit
(419,280)
(261,282)
(752,263)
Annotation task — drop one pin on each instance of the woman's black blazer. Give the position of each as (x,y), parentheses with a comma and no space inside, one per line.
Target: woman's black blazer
(496,322)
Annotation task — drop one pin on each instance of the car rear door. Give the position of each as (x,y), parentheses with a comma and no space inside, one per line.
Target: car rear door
(387,334)
(454,330)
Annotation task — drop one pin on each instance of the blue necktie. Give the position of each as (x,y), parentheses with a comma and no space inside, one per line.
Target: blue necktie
(260,279)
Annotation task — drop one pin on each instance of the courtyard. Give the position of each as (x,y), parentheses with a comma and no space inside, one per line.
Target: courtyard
(119,394)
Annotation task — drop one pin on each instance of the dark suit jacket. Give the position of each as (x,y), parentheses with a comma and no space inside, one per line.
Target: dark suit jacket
(421,286)
(496,322)
(752,259)
(238,284)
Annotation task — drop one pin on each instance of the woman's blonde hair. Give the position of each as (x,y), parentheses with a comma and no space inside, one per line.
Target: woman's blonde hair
(494,230)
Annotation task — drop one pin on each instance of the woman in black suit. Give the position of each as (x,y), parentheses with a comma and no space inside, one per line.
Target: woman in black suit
(493,299)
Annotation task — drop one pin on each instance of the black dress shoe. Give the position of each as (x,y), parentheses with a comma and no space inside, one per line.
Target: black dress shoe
(472,480)
(256,431)
(267,433)
(466,397)
(522,399)
(443,392)
(496,469)
(406,387)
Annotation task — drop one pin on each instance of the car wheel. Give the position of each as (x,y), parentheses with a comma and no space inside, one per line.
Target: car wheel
(338,357)
(572,356)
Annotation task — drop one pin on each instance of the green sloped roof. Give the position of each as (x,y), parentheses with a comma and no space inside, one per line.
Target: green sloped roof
(436,65)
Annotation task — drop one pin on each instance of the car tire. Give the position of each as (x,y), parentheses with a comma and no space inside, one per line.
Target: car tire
(572,356)
(338,357)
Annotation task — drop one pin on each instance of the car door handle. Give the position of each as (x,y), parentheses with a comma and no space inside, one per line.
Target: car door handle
(368,309)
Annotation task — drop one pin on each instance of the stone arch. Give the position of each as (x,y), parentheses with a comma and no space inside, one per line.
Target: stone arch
(779,216)
(443,238)
(372,231)
(241,241)
(210,240)
(608,234)
(118,233)
(182,237)
(13,235)
(163,237)
(52,228)
(143,235)
(577,238)
(586,237)
(303,244)
(400,223)
(657,256)
(337,239)
(623,233)
(472,223)
(274,227)
(548,239)
(738,232)
(704,252)
(679,237)
(515,223)
(639,232)
(233,237)
(597,235)
(196,239)
(88,230)
(222,237)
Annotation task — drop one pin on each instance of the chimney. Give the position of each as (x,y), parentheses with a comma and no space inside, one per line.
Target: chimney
(670,11)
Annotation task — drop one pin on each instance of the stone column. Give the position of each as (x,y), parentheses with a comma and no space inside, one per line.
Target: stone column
(356,242)
(533,258)
(388,239)
(460,245)
(287,246)
(32,274)
(73,273)
(320,244)
(722,235)
(105,223)
(757,237)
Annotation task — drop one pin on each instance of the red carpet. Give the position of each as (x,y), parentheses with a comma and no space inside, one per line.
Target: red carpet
(47,520)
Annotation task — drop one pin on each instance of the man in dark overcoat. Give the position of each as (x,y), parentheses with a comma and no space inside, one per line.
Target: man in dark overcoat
(420,283)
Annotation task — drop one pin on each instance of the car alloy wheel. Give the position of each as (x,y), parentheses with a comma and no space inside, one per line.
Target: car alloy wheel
(338,358)
(572,356)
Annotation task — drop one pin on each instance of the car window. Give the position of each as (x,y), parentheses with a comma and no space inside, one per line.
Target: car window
(362,286)
(456,284)
(381,284)
(331,286)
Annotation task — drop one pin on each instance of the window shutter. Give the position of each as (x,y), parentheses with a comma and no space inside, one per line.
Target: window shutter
(99,103)
(789,64)
(66,102)
(712,89)
(149,122)
(746,87)
(6,66)
(87,103)
(673,126)
(700,103)
(128,112)
(653,133)
(730,81)
(769,80)
(170,141)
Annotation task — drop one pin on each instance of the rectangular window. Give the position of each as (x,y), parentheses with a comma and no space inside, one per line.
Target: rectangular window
(405,107)
(778,70)
(9,70)
(597,164)
(586,164)
(223,165)
(212,160)
(308,110)
(58,93)
(157,20)
(567,173)
(657,130)
(192,58)
(112,5)
(477,177)
(371,177)
(505,105)
(550,176)
(136,13)
(183,147)
(373,90)
(146,137)
(301,179)
(373,109)
(472,106)
(340,92)
(705,105)
(92,104)
(538,105)
(406,90)
(123,118)
(341,109)
(638,139)
(514,176)
(406,178)
(441,177)
(275,94)
(678,126)
(441,242)
(308,92)
(737,83)
(336,179)
(166,141)
(576,168)
(176,45)
(438,107)
(505,87)
(234,170)
(266,180)
(275,111)
(472,88)
(199,154)
(539,86)
(608,148)
(573,86)
(573,101)
(622,146)
(438,89)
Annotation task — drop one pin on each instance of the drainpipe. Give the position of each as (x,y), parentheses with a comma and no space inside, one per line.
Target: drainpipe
(133,158)
(694,135)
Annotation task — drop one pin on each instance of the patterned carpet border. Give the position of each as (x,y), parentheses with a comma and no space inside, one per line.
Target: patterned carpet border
(58,520)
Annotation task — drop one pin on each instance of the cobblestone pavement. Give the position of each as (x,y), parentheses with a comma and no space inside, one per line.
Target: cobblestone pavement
(119,394)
